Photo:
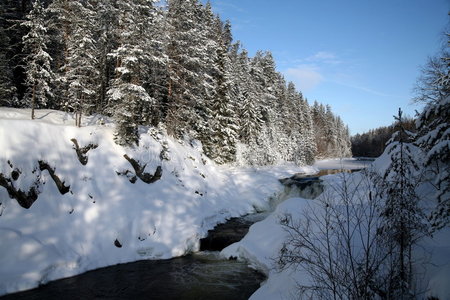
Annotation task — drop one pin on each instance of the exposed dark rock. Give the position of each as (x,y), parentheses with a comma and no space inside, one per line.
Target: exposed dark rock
(117,244)
(81,152)
(25,199)
(63,189)
(139,172)
(15,174)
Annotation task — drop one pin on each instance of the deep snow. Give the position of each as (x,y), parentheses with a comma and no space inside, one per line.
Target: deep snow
(64,235)
(262,244)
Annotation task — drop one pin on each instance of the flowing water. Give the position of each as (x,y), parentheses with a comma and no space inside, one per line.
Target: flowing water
(203,275)
(198,276)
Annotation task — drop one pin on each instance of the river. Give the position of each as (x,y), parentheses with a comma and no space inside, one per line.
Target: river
(202,275)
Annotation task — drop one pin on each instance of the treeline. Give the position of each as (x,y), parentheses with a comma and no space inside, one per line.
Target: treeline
(174,66)
(373,142)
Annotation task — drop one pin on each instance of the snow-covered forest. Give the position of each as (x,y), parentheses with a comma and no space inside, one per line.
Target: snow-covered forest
(129,129)
(174,66)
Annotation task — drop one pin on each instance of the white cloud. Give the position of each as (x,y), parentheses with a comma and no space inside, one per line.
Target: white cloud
(324,57)
(305,77)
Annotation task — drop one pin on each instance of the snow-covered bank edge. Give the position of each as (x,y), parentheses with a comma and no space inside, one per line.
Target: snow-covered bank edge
(105,219)
(261,246)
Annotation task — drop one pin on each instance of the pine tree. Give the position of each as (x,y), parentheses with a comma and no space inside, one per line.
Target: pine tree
(126,93)
(250,121)
(38,68)
(433,124)
(187,58)
(223,122)
(12,56)
(306,145)
(8,92)
(403,217)
(107,40)
(80,71)
(319,123)
(434,129)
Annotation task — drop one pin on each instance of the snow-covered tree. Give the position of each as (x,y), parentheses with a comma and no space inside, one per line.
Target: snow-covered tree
(127,95)
(433,125)
(38,61)
(187,59)
(433,83)
(221,145)
(80,71)
(402,214)
(8,92)
(246,101)
(434,129)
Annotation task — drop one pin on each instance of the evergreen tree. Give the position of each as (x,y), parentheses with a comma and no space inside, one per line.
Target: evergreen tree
(107,40)
(223,122)
(126,93)
(8,91)
(12,58)
(433,124)
(320,127)
(403,222)
(250,119)
(80,71)
(434,128)
(187,58)
(38,68)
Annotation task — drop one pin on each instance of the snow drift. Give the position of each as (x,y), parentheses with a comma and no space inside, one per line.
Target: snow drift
(104,218)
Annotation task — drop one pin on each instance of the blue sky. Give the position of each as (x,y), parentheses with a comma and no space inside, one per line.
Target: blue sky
(360,56)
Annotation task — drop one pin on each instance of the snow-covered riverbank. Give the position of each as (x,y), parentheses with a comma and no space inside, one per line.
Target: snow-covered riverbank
(261,246)
(105,219)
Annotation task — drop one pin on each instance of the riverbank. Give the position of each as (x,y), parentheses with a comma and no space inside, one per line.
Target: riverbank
(262,246)
(91,209)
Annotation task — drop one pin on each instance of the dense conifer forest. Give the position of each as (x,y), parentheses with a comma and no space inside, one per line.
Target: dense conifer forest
(373,142)
(171,65)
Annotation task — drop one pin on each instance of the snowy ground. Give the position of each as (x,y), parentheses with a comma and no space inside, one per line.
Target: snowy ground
(262,244)
(64,235)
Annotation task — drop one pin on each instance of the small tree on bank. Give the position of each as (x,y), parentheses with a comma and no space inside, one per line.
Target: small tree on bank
(403,219)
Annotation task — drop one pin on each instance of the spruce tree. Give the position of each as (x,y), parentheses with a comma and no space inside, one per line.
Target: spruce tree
(434,129)
(187,58)
(223,122)
(8,92)
(80,71)
(127,96)
(38,61)
(433,125)
(402,214)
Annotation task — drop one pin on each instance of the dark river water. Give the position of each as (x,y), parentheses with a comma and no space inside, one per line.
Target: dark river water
(197,276)
(203,275)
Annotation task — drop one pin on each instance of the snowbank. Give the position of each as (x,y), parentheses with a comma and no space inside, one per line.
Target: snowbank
(262,244)
(105,219)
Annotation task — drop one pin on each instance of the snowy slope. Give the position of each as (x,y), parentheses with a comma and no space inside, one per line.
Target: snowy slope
(64,235)
(262,244)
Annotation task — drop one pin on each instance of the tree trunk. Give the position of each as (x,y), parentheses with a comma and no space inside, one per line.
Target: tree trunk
(33,101)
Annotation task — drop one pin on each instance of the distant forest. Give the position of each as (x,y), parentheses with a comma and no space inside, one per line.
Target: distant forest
(171,65)
(374,142)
